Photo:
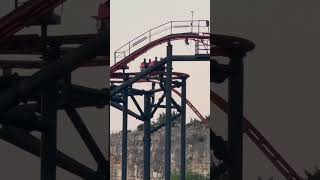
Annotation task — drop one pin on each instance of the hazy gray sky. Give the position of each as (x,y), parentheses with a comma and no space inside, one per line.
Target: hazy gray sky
(281,78)
(131,18)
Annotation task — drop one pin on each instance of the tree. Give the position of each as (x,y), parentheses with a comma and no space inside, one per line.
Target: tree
(315,175)
(189,176)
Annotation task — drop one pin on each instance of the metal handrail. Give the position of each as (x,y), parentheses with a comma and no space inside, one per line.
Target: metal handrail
(196,26)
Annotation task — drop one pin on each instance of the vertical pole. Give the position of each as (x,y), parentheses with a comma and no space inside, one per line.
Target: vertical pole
(49,136)
(183,130)
(168,113)
(129,47)
(153,95)
(235,124)
(49,114)
(124,132)
(149,36)
(15,4)
(192,21)
(147,137)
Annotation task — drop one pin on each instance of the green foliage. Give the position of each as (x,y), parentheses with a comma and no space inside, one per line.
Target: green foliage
(189,176)
(314,175)
(140,127)
(162,119)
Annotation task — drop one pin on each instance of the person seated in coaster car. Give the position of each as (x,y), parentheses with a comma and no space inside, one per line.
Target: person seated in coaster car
(143,65)
(162,68)
(151,63)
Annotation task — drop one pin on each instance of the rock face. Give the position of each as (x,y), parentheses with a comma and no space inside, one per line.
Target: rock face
(197,149)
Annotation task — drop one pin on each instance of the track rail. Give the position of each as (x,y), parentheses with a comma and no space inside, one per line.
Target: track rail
(197,30)
(24,15)
(119,65)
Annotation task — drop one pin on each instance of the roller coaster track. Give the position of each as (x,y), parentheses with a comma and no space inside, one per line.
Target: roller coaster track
(163,33)
(126,54)
(24,15)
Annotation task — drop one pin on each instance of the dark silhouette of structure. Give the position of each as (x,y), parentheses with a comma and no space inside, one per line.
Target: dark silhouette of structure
(30,103)
(231,151)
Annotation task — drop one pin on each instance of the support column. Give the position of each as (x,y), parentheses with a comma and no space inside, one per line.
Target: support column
(49,114)
(183,130)
(235,124)
(168,89)
(49,136)
(153,87)
(124,133)
(147,136)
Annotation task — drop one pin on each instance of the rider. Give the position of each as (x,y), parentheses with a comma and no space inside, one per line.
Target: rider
(143,64)
(162,68)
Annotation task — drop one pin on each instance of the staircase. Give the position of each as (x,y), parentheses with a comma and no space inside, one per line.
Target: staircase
(202,46)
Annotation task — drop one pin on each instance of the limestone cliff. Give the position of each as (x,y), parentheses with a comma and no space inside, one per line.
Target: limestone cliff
(197,148)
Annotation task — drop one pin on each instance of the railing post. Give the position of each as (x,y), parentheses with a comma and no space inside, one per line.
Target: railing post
(129,47)
(171,27)
(149,36)
(15,4)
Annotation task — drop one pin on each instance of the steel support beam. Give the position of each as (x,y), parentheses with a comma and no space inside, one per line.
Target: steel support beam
(235,114)
(54,71)
(49,136)
(141,75)
(31,144)
(138,107)
(199,57)
(87,138)
(183,129)
(49,115)
(131,113)
(156,106)
(168,94)
(147,136)
(124,154)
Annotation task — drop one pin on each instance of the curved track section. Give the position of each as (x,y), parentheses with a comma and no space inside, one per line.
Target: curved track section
(131,57)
